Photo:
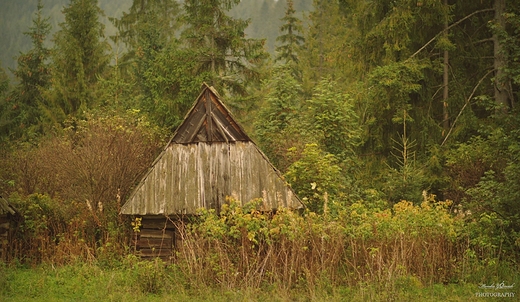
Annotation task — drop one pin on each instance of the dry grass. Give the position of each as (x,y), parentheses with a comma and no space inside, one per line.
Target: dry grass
(249,249)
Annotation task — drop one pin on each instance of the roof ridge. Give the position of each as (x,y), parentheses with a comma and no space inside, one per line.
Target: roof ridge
(209,120)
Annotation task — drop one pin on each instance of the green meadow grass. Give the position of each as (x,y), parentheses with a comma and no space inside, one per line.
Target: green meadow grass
(146,282)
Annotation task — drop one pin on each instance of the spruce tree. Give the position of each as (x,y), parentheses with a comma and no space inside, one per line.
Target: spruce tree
(80,56)
(6,107)
(33,75)
(148,31)
(324,54)
(290,39)
(220,47)
(148,23)
(4,82)
(280,109)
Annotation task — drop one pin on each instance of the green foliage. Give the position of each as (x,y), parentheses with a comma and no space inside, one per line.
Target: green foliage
(279,111)
(362,126)
(4,82)
(326,130)
(392,88)
(406,223)
(6,108)
(397,81)
(290,40)
(243,247)
(466,164)
(486,172)
(329,119)
(36,209)
(148,26)
(90,282)
(51,231)
(90,167)
(33,74)
(154,71)
(316,175)
(79,58)
(405,180)
(324,54)
(220,46)
(150,276)
(509,38)
(172,86)
(497,190)
(234,222)
(395,252)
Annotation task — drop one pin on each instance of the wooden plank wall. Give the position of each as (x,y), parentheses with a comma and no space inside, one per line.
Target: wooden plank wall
(156,243)
(4,237)
(158,237)
(188,177)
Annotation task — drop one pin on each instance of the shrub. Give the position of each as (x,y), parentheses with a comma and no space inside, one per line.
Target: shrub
(316,175)
(84,172)
(243,247)
(52,231)
(419,240)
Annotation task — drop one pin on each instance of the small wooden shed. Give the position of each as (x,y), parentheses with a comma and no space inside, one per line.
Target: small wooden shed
(208,159)
(8,220)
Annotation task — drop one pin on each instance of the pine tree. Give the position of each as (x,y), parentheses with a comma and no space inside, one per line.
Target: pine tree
(290,40)
(149,30)
(80,56)
(219,44)
(6,108)
(33,75)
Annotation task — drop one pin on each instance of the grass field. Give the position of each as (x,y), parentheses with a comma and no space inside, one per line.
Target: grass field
(145,281)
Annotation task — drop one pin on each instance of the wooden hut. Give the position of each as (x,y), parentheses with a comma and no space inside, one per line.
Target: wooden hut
(208,159)
(8,220)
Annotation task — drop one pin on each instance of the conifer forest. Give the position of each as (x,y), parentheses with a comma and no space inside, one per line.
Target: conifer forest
(395,122)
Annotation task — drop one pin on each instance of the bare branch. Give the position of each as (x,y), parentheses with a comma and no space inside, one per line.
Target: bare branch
(465,104)
(448,28)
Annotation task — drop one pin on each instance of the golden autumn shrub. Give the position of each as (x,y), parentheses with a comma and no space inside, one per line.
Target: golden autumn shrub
(242,246)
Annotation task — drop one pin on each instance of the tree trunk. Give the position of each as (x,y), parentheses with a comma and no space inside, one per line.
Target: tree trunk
(500,63)
(445,79)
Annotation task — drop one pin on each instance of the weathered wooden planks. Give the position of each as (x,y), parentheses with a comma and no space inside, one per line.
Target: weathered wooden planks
(208,121)
(153,243)
(209,158)
(9,217)
(193,176)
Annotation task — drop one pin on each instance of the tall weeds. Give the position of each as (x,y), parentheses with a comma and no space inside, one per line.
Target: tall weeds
(243,247)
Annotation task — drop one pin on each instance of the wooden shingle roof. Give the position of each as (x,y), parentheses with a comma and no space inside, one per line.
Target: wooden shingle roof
(208,121)
(6,208)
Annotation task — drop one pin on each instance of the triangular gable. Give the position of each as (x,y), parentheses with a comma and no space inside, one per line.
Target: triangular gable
(209,158)
(208,121)
(6,208)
